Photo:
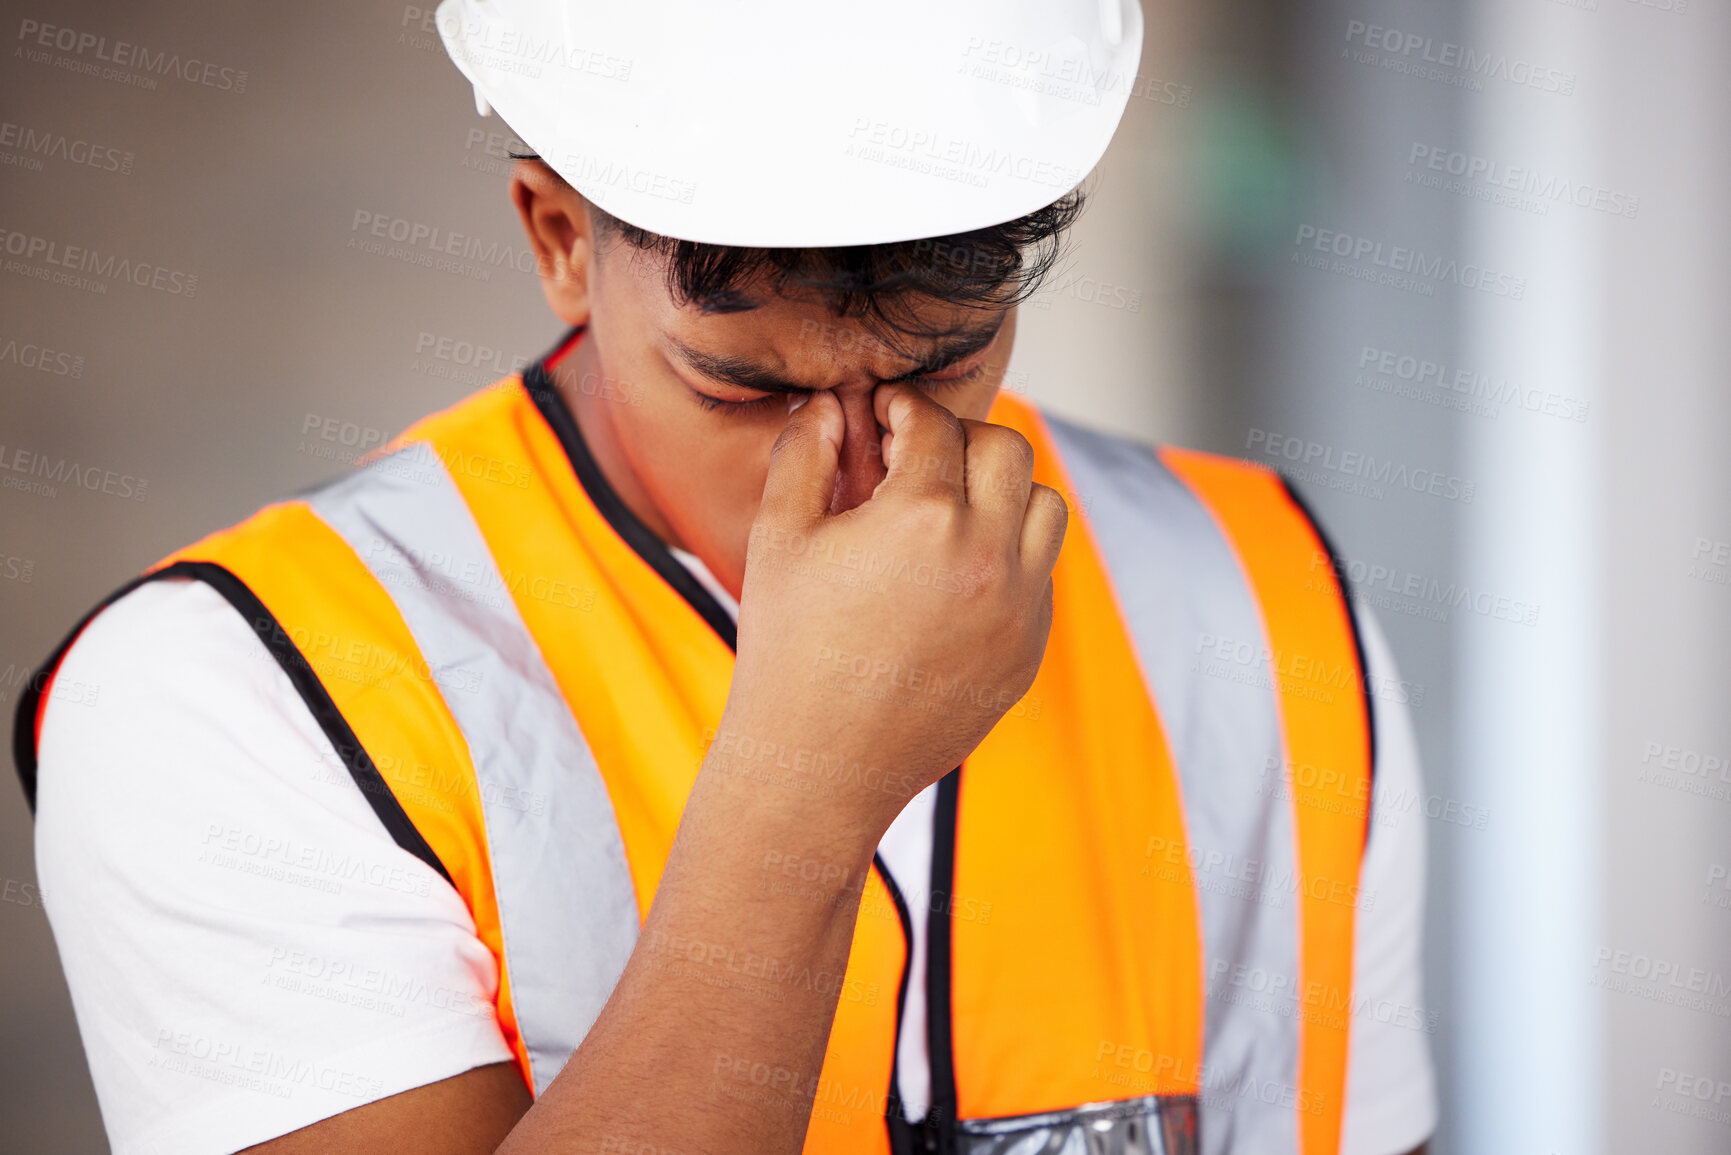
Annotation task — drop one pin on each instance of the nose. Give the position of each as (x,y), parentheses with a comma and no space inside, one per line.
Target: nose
(861,465)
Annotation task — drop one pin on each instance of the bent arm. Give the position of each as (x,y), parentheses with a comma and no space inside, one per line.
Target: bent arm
(651,1073)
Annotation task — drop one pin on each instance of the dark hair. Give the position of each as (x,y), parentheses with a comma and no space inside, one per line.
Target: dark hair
(993,267)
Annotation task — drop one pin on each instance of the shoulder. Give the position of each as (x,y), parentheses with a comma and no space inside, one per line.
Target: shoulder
(176,707)
(1077,439)
(164,653)
(1203,528)
(247,949)
(1128,484)
(504,404)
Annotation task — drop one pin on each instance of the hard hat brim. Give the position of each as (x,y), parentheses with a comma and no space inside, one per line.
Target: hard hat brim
(730,135)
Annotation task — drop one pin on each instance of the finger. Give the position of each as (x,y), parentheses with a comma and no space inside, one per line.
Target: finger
(924,451)
(1043,617)
(1043,528)
(803,463)
(999,471)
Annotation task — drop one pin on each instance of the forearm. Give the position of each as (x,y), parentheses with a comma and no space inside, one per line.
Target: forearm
(705,1009)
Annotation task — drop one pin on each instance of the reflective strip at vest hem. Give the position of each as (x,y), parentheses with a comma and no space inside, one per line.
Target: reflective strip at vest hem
(1150,1125)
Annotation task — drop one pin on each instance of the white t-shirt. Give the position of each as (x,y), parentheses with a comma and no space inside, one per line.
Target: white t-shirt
(249,951)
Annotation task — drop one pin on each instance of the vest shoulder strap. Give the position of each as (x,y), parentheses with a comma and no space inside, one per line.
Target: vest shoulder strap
(1315,664)
(1290,561)
(1247,644)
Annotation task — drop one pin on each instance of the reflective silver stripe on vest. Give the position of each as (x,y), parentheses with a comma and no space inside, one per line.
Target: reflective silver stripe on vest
(1151,1125)
(567,907)
(1183,594)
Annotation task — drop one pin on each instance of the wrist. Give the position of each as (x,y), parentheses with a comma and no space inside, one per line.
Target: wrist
(775,856)
(810,775)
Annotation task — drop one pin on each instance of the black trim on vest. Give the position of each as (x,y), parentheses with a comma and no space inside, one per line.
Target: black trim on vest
(300,674)
(645,544)
(1334,557)
(940,1122)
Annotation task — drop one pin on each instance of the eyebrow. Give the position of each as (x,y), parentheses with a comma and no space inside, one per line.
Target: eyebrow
(745,373)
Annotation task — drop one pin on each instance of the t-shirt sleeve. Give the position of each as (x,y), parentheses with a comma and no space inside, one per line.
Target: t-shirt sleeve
(247,949)
(1391,1086)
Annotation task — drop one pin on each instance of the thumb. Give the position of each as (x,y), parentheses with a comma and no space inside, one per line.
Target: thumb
(803,462)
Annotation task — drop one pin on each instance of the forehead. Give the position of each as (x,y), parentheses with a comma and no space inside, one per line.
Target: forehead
(801,334)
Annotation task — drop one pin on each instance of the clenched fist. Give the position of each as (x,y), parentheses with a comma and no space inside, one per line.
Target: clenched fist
(890,638)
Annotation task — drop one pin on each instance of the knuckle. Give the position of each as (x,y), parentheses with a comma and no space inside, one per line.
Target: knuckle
(1000,460)
(1055,510)
(1018,453)
(924,409)
(933,515)
(1051,498)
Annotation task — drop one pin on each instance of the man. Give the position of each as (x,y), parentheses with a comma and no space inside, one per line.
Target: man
(1034,811)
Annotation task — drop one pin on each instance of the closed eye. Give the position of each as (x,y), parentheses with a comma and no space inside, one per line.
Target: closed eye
(752,405)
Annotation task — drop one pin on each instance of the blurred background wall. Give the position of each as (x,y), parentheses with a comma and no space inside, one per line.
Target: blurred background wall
(1482,242)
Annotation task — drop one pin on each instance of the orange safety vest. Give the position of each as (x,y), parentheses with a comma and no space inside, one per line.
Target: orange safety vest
(523,682)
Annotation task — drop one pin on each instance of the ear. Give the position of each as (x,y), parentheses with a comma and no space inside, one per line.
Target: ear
(556,220)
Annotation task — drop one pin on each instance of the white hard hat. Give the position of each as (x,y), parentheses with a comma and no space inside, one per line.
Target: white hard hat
(805,123)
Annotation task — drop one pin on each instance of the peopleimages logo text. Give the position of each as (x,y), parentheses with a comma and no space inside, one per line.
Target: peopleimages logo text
(77,43)
(1463,58)
(1414,262)
(103,266)
(1308,456)
(34,143)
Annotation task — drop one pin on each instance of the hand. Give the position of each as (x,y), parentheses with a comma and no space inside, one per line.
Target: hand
(891,637)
